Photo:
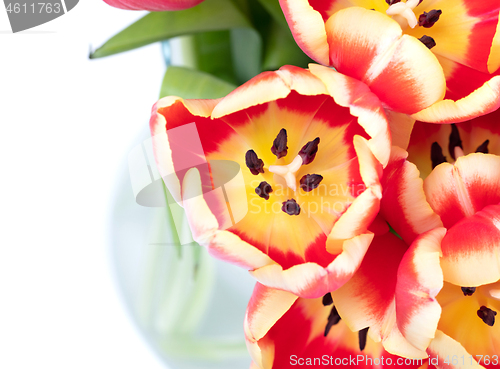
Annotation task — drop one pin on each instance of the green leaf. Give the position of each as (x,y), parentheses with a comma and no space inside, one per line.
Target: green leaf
(212,54)
(273,7)
(281,49)
(193,84)
(246,47)
(210,15)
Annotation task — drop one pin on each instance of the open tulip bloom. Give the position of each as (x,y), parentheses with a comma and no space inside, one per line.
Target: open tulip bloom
(395,47)
(311,158)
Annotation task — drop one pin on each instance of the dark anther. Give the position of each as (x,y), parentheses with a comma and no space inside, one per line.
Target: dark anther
(327,299)
(390,2)
(427,20)
(308,151)
(487,315)
(310,181)
(291,207)
(455,141)
(483,147)
(279,147)
(362,338)
(333,319)
(437,156)
(253,162)
(264,190)
(428,41)
(468,291)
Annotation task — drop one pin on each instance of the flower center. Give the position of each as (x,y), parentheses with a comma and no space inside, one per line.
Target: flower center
(403,13)
(288,171)
(455,148)
(285,173)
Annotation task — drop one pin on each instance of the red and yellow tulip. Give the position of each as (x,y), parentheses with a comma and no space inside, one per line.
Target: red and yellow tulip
(311,158)
(394,59)
(285,331)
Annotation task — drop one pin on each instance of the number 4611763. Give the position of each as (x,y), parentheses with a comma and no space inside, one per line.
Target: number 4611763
(33,8)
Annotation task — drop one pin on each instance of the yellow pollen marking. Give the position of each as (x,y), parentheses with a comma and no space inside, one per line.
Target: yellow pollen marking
(403,13)
(288,171)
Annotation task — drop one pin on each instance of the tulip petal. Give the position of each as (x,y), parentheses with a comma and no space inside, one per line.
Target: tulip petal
(153,5)
(443,348)
(399,69)
(419,281)
(403,203)
(307,28)
(471,249)
(484,100)
(362,103)
(399,304)
(368,298)
(283,331)
(460,190)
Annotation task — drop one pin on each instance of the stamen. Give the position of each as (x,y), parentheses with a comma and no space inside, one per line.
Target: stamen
(263,190)
(310,181)
(468,291)
(437,156)
(483,147)
(308,151)
(279,147)
(455,141)
(427,41)
(291,207)
(288,171)
(327,299)
(253,162)
(487,315)
(362,338)
(333,319)
(427,20)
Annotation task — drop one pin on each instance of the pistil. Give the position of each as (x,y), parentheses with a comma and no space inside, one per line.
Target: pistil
(403,13)
(288,171)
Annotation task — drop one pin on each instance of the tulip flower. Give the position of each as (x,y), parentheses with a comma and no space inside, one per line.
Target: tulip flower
(285,331)
(441,46)
(433,144)
(310,160)
(153,5)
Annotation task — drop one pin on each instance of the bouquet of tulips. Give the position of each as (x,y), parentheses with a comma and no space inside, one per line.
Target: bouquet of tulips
(347,154)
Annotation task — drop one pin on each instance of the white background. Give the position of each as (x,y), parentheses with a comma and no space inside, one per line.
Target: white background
(67,124)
